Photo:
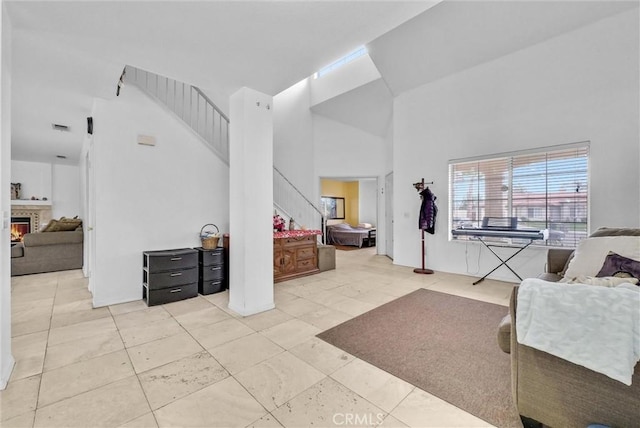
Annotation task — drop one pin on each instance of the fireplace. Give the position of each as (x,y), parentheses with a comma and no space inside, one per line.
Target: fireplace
(19,226)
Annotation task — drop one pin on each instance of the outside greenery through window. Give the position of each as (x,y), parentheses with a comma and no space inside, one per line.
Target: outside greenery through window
(544,189)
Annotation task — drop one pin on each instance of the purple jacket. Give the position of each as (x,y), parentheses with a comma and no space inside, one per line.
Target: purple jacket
(428,211)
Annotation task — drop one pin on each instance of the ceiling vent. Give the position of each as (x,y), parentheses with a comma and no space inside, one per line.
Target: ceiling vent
(59,127)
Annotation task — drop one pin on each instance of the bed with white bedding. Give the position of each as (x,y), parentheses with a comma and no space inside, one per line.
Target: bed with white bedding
(345,234)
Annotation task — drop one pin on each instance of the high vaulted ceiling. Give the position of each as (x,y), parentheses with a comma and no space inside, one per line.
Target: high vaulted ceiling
(457,35)
(67,53)
(453,36)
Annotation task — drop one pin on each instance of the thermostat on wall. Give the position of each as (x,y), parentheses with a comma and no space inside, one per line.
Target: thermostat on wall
(146,140)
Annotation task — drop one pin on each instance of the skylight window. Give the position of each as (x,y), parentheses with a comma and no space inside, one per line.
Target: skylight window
(342,61)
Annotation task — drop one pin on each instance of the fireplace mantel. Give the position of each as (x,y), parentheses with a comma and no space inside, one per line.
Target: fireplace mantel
(30,202)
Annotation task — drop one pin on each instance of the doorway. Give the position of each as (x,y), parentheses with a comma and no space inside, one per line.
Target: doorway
(360,196)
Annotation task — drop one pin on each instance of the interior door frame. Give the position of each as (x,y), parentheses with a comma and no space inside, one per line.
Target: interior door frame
(89,201)
(388,214)
(377,201)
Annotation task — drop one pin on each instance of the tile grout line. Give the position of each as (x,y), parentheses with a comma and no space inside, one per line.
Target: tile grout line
(124,347)
(37,404)
(305,298)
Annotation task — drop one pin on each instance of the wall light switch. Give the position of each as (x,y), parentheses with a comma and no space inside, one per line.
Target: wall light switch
(146,140)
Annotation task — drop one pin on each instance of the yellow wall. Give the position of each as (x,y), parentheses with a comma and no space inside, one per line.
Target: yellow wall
(350,191)
(352,202)
(332,188)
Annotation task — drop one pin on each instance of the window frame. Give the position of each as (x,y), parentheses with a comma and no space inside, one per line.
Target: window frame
(583,150)
(352,56)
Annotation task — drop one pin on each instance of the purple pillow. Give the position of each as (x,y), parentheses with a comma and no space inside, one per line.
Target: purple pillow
(622,267)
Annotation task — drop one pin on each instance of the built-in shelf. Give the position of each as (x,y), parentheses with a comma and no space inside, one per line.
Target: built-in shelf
(29,202)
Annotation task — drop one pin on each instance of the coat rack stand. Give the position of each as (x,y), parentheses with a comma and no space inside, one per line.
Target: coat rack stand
(419,186)
(423,270)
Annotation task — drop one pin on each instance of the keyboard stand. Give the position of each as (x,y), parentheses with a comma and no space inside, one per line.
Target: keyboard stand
(503,262)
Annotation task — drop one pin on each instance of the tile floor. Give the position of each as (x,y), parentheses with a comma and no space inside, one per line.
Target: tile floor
(194,363)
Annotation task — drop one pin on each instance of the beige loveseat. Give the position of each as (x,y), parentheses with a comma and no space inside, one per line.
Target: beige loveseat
(47,252)
(552,391)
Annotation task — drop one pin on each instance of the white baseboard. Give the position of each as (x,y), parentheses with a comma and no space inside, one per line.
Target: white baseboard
(245,312)
(6,372)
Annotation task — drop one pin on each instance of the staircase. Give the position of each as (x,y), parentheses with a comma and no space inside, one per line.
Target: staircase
(189,104)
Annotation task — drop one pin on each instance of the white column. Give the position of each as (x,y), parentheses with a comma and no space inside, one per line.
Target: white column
(6,359)
(251,202)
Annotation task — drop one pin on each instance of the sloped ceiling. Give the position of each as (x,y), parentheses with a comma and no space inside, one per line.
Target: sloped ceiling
(453,36)
(368,107)
(456,35)
(66,53)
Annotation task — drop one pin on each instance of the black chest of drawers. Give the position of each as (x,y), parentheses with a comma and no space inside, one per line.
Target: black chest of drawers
(211,270)
(169,275)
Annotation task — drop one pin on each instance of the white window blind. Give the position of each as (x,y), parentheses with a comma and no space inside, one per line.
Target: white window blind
(543,190)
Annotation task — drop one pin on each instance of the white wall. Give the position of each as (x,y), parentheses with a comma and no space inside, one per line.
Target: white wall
(60,184)
(293,150)
(308,146)
(345,151)
(65,183)
(35,178)
(342,151)
(368,201)
(148,198)
(6,359)
(579,86)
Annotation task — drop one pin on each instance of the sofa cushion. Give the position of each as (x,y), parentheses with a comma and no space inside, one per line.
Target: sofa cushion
(54,238)
(591,253)
(63,225)
(504,334)
(615,231)
(17,251)
(551,277)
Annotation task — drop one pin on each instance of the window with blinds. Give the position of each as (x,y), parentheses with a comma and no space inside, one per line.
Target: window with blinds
(541,189)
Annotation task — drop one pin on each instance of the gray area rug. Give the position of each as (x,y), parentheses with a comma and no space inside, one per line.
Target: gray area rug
(443,344)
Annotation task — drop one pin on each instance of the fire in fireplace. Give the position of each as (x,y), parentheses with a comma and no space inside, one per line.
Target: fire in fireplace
(19,226)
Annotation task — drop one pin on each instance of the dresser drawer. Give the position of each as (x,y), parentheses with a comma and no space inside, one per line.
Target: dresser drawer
(210,287)
(208,273)
(307,264)
(210,257)
(172,278)
(303,240)
(306,253)
(170,260)
(171,294)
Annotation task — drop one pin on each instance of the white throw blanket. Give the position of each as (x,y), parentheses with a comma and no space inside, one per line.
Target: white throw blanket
(595,327)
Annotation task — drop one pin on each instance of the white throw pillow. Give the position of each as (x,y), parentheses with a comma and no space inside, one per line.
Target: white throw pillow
(591,253)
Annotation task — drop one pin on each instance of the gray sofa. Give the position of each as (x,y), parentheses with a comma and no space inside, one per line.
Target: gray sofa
(47,252)
(552,391)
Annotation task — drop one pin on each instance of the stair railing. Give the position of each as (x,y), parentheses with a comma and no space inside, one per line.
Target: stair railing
(297,205)
(201,114)
(189,103)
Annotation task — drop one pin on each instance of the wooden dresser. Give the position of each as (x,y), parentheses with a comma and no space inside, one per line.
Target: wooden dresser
(295,254)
